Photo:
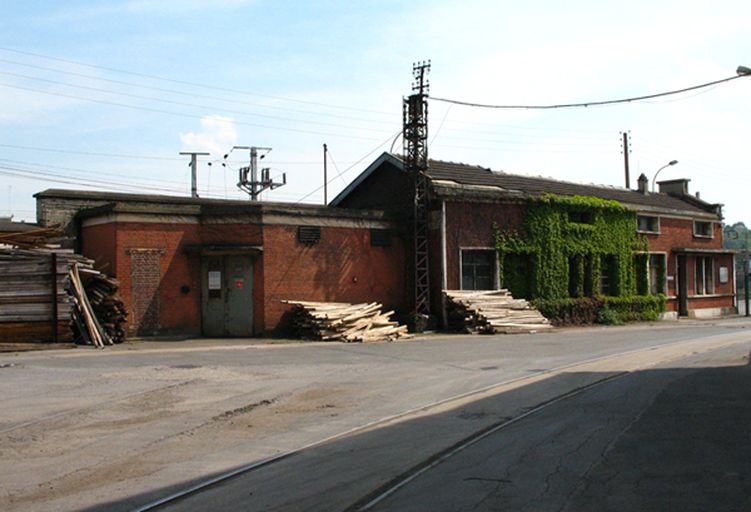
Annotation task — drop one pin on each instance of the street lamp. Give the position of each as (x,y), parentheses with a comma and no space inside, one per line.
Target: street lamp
(672,162)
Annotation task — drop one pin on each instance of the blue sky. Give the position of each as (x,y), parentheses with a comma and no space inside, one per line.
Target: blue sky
(106,94)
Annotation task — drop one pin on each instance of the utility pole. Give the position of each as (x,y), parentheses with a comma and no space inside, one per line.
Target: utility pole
(254,186)
(415,134)
(193,171)
(626,151)
(325,176)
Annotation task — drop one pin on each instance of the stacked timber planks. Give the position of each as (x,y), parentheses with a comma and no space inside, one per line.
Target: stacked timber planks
(493,311)
(341,321)
(48,294)
(34,304)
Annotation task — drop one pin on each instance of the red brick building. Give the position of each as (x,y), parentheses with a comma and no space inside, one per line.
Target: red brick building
(468,203)
(221,268)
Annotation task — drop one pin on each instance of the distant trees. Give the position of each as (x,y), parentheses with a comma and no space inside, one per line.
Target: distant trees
(736,236)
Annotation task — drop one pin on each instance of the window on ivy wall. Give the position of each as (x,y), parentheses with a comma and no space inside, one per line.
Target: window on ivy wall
(607,275)
(517,274)
(703,275)
(580,217)
(657,273)
(478,269)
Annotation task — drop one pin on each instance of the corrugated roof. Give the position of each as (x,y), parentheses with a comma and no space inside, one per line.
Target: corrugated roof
(465,174)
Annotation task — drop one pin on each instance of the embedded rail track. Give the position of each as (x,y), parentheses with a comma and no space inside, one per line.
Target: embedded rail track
(376,496)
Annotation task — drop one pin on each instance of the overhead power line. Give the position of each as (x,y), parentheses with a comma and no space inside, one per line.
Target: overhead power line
(179,114)
(90,153)
(192,94)
(183,103)
(184,82)
(740,74)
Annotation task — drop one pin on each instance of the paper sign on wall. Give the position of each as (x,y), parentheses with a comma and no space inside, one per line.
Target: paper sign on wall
(723,275)
(215,280)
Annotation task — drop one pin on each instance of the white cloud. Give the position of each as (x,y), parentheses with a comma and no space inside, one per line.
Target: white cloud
(218,135)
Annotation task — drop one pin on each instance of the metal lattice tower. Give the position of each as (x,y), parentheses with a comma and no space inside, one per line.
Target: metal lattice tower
(415,136)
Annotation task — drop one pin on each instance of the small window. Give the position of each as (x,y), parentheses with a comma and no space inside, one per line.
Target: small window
(607,275)
(309,235)
(704,275)
(380,238)
(647,224)
(580,217)
(478,270)
(657,273)
(703,229)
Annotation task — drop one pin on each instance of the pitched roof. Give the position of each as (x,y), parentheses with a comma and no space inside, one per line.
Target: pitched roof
(468,179)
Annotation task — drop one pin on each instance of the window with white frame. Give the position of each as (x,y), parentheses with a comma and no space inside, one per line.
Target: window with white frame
(702,229)
(703,275)
(478,269)
(647,224)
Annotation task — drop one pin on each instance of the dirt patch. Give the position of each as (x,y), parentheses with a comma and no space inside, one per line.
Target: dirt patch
(242,410)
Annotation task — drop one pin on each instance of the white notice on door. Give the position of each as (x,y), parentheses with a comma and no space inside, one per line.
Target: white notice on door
(215,280)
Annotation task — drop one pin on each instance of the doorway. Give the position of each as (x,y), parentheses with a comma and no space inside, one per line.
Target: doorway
(682,286)
(227,295)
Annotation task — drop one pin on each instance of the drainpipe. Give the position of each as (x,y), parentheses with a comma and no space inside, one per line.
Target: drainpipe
(444,278)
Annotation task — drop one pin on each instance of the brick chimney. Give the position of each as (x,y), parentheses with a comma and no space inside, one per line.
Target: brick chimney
(674,187)
(643,184)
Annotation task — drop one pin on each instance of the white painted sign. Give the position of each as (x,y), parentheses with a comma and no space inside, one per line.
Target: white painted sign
(723,275)
(215,280)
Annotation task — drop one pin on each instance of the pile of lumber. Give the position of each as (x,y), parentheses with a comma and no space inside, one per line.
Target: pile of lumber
(492,311)
(34,304)
(49,294)
(108,307)
(341,321)
(26,237)
(99,316)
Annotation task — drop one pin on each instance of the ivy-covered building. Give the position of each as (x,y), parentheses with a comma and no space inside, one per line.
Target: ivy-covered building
(551,240)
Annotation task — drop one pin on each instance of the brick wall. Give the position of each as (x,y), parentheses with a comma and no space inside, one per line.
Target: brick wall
(120,244)
(471,225)
(342,267)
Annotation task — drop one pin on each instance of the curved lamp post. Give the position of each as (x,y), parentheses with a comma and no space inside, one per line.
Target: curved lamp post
(672,162)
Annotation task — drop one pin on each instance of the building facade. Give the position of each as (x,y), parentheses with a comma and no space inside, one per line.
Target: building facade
(222,268)
(681,255)
(218,268)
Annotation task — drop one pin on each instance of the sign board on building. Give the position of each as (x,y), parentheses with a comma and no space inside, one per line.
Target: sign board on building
(215,280)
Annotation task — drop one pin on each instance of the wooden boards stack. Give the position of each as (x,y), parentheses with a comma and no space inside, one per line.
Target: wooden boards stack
(32,283)
(341,321)
(492,311)
(54,295)
(108,307)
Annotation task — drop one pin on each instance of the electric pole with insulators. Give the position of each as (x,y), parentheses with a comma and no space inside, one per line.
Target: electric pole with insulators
(254,186)
(193,170)
(415,135)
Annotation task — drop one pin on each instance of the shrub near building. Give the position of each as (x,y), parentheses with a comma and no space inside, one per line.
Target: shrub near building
(579,259)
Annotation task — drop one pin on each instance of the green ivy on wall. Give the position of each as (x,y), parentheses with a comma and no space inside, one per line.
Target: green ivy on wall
(565,244)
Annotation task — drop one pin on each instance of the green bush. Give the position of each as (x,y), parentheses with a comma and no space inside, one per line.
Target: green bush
(607,316)
(602,310)
(636,308)
(569,311)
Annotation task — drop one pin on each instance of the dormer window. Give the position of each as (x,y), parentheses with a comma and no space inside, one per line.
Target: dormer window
(647,224)
(702,229)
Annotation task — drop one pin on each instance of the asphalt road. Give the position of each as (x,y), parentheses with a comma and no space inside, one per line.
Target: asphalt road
(116,429)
